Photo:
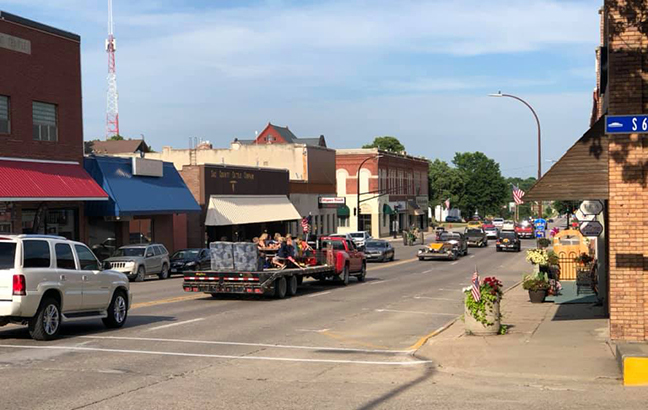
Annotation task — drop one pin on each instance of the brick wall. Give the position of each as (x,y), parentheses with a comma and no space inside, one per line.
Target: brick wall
(627,93)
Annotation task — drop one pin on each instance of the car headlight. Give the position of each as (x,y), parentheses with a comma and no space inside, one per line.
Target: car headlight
(129,264)
(191,264)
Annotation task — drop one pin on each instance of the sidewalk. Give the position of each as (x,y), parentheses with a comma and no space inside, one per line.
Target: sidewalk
(545,343)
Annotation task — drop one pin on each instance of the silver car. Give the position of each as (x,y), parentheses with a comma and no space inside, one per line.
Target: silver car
(137,261)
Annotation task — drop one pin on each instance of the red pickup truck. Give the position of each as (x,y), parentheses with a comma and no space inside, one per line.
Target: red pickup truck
(335,258)
(524,230)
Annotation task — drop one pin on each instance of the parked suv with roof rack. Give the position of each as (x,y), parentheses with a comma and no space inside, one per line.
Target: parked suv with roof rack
(137,261)
(49,280)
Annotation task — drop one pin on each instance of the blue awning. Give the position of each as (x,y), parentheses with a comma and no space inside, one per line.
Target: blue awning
(133,195)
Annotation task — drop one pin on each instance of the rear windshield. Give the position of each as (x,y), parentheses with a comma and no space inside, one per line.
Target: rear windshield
(7,255)
(186,254)
(357,235)
(129,252)
(376,245)
(508,235)
(338,245)
(474,232)
(448,236)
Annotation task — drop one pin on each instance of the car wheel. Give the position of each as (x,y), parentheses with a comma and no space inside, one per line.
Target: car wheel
(421,258)
(465,252)
(47,322)
(392,257)
(117,311)
(498,249)
(345,275)
(291,289)
(363,273)
(164,274)
(141,272)
(280,286)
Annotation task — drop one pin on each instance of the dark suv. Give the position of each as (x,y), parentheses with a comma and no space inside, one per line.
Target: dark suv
(508,241)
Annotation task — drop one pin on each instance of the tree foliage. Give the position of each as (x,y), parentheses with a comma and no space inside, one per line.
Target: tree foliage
(446,182)
(485,189)
(386,143)
(116,138)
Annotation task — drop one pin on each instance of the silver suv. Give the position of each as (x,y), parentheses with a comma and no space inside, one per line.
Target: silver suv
(46,280)
(137,261)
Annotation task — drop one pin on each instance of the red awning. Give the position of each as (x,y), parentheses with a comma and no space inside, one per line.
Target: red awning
(47,181)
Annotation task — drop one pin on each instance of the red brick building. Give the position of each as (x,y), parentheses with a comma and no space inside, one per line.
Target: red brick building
(42,182)
(393,191)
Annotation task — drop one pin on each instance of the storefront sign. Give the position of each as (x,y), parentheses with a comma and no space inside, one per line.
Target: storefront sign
(15,43)
(591,228)
(591,207)
(422,201)
(582,217)
(147,167)
(626,124)
(339,200)
(224,180)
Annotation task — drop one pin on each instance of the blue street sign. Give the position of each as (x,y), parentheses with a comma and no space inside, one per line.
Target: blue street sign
(540,234)
(626,124)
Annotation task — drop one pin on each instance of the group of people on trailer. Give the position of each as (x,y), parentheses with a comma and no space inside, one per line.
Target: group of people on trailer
(279,250)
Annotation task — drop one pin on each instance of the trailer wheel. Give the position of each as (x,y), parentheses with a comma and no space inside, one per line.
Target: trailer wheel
(300,280)
(291,288)
(280,288)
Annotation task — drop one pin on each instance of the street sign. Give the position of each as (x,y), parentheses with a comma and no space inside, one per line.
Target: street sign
(591,207)
(626,124)
(591,228)
(582,217)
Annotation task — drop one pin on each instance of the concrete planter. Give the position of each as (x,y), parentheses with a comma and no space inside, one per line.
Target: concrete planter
(476,328)
(537,296)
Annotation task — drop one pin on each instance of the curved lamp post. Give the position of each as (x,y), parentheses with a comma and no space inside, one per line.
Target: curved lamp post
(358,189)
(499,94)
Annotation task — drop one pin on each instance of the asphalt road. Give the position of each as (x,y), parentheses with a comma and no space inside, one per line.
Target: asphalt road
(328,347)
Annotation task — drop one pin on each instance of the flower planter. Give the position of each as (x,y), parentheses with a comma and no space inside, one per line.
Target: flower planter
(537,296)
(478,329)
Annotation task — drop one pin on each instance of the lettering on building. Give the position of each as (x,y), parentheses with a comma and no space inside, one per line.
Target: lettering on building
(15,43)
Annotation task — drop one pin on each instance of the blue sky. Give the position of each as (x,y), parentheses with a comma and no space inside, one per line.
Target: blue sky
(351,70)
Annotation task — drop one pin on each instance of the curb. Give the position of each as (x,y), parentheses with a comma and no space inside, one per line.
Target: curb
(422,341)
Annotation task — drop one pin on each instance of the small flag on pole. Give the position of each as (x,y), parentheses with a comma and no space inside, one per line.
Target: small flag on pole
(476,293)
(447,203)
(517,195)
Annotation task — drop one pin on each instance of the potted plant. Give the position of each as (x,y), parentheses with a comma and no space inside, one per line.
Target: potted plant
(482,314)
(583,259)
(537,285)
(543,243)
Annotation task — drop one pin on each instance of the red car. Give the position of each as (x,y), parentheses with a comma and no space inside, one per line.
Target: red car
(525,230)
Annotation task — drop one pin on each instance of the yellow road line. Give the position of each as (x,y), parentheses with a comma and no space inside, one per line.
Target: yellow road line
(170,300)
(427,337)
(389,265)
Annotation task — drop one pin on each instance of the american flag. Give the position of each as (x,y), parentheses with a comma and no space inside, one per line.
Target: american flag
(517,195)
(476,293)
(447,203)
(305,223)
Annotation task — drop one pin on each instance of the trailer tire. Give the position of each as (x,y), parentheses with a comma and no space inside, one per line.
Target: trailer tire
(291,288)
(280,288)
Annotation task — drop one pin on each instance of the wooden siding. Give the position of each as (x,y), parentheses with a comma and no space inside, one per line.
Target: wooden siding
(582,173)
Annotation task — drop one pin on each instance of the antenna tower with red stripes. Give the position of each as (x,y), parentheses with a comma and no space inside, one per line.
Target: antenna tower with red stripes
(112,108)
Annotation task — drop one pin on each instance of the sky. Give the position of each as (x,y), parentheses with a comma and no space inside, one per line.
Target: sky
(350,70)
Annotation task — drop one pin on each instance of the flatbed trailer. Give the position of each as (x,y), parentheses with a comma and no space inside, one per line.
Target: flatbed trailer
(270,282)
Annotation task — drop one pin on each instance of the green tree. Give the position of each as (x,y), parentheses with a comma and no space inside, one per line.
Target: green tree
(485,188)
(564,207)
(386,143)
(116,138)
(446,182)
(525,185)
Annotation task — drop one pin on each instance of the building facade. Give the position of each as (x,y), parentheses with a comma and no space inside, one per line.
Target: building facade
(393,191)
(43,186)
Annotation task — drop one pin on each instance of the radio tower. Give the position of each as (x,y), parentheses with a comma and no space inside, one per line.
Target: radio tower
(112,110)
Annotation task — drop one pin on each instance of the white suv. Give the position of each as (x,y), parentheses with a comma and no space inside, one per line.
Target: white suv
(46,280)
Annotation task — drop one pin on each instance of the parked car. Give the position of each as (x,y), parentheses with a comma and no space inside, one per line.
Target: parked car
(190,260)
(360,238)
(476,237)
(525,230)
(508,226)
(137,261)
(453,219)
(379,250)
(498,222)
(491,230)
(474,224)
(49,280)
(508,241)
(105,249)
(450,245)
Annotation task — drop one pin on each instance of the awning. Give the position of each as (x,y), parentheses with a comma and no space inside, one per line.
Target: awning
(249,209)
(133,195)
(581,173)
(387,210)
(414,209)
(47,181)
(343,211)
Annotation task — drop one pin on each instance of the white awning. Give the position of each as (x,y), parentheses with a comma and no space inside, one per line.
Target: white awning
(249,209)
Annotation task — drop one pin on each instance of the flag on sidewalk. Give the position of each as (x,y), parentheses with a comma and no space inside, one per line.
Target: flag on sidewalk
(447,203)
(517,195)
(305,223)
(476,293)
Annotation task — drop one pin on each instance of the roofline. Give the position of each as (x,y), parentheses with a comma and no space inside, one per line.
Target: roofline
(42,161)
(366,151)
(242,167)
(38,26)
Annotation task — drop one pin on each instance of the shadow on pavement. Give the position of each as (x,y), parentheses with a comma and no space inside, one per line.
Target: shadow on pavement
(379,401)
(579,312)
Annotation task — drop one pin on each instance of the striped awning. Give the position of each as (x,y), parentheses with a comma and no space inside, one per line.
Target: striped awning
(227,210)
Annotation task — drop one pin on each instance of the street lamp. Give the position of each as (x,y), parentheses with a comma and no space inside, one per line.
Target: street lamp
(358,189)
(499,94)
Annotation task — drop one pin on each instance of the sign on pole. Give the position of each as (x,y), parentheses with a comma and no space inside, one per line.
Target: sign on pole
(582,217)
(591,207)
(626,124)
(591,228)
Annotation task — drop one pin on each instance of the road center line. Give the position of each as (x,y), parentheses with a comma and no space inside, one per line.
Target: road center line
(454,263)
(416,312)
(269,345)
(216,356)
(176,324)
(379,282)
(319,294)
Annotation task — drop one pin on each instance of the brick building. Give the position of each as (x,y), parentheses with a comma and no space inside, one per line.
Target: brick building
(43,185)
(612,168)
(393,191)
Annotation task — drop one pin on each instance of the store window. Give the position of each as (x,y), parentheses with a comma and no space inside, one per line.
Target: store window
(44,121)
(60,222)
(5,125)
(343,221)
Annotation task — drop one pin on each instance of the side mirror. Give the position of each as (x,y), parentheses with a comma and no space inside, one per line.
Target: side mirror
(149,255)
(106,265)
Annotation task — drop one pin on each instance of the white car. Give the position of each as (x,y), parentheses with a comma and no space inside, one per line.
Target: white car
(508,226)
(49,280)
(360,237)
(498,222)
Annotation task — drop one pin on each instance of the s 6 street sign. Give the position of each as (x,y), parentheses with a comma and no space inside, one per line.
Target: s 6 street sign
(591,207)
(593,228)
(626,124)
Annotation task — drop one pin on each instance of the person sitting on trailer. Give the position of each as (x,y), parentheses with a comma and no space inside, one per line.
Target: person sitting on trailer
(282,255)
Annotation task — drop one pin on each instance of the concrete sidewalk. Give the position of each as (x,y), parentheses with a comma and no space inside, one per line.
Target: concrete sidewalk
(545,344)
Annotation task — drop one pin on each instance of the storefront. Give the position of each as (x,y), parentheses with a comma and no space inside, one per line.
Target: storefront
(45,197)
(141,192)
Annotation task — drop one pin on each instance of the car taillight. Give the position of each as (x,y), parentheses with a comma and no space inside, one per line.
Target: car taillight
(498,242)
(19,287)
